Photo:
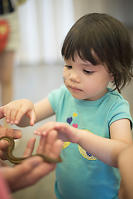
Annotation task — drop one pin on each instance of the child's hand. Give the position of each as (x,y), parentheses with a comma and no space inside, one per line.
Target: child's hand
(15,110)
(65,131)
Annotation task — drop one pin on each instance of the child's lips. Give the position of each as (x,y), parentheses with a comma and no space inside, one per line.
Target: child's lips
(74,88)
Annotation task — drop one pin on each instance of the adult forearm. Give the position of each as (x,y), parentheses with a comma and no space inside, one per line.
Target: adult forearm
(104,149)
(125,162)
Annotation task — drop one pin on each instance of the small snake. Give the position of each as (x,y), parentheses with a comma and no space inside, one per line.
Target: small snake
(17,160)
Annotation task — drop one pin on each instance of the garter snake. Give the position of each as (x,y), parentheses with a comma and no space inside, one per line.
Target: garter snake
(17,160)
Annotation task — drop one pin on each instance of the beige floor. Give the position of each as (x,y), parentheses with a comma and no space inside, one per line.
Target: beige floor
(35,82)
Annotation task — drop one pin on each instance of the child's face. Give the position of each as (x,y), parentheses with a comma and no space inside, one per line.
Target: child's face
(84,80)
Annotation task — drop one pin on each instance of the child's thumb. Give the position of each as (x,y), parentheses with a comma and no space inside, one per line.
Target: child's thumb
(2,112)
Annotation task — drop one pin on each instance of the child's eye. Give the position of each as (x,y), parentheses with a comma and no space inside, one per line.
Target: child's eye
(68,66)
(88,72)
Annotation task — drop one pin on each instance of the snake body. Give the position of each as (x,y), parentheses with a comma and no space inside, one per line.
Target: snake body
(17,160)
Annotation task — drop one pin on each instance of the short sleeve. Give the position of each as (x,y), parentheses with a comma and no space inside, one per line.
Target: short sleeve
(120,110)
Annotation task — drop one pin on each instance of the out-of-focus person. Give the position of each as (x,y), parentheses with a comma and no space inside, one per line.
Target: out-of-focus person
(9,39)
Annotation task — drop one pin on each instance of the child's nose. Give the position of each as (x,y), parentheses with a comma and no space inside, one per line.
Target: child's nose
(74,77)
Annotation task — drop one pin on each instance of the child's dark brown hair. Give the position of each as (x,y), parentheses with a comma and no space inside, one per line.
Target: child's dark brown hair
(110,41)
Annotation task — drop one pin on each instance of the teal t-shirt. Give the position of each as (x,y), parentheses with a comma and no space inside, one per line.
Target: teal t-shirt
(81,175)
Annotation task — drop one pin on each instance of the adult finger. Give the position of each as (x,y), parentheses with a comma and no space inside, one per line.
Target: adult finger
(56,149)
(50,140)
(2,155)
(30,147)
(3,144)
(15,133)
(41,144)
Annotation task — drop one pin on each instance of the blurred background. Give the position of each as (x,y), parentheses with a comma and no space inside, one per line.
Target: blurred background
(38,65)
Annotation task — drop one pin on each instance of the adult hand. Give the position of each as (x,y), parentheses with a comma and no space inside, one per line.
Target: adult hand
(33,169)
(16,134)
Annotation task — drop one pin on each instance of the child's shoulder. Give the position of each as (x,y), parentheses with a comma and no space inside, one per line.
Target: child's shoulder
(116,100)
(118,107)
(115,95)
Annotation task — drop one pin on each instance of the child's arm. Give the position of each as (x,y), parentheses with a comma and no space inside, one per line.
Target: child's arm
(24,113)
(105,149)
(43,109)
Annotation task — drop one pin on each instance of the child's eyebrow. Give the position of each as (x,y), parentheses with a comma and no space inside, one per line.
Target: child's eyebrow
(86,64)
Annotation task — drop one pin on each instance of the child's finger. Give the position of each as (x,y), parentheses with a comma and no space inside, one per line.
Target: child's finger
(2,112)
(39,131)
(13,115)
(7,113)
(23,110)
(45,128)
(32,117)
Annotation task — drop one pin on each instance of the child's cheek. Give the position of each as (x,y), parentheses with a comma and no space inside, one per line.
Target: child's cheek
(65,75)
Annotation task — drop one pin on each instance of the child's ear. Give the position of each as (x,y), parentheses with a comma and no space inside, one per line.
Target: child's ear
(111,77)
